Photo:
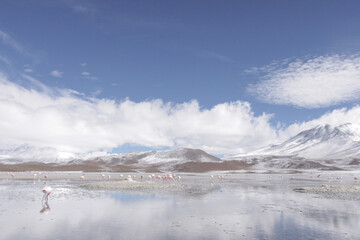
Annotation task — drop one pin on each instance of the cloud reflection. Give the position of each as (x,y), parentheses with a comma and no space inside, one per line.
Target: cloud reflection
(251,209)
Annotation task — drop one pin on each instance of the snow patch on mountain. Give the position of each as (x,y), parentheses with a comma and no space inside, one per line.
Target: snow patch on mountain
(29,153)
(320,142)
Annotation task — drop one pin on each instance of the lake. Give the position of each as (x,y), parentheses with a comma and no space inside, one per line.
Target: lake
(241,205)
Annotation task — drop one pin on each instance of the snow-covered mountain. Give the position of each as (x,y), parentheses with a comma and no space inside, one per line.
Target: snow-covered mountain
(320,142)
(28,153)
(165,160)
(323,147)
(180,155)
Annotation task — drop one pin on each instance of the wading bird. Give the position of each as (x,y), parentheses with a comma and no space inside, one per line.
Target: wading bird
(46,190)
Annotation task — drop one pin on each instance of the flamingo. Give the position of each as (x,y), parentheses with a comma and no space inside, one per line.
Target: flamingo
(12,175)
(46,190)
(82,177)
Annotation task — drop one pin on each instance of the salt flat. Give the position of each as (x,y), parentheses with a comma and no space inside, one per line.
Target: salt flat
(232,205)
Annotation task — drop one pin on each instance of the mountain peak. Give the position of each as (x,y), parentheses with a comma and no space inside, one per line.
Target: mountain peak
(322,141)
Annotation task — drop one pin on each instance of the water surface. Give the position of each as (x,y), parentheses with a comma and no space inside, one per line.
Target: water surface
(240,206)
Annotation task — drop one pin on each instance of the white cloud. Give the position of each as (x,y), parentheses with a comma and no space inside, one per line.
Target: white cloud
(56,73)
(7,40)
(314,83)
(28,70)
(76,124)
(83,64)
(87,75)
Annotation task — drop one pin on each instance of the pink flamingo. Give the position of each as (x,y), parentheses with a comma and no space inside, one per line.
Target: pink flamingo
(12,175)
(46,190)
(82,177)
(356,178)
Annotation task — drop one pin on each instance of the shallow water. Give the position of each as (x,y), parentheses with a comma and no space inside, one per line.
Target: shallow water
(241,206)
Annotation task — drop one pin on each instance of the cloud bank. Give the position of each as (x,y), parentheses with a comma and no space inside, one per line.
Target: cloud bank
(318,82)
(71,122)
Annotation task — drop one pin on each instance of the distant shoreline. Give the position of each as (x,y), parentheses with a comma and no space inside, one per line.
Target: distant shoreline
(195,167)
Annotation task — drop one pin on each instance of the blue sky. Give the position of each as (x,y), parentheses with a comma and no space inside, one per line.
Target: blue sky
(268,54)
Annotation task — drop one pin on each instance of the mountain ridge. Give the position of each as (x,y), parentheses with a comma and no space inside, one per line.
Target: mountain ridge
(323,141)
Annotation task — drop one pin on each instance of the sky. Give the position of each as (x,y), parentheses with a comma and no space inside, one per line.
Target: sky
(227,77)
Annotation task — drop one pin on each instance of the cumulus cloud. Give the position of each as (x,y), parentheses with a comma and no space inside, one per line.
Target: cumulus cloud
(56,73)
(71,122)
(314,83)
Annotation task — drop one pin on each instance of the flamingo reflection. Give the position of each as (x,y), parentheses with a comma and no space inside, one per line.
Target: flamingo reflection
(45,208)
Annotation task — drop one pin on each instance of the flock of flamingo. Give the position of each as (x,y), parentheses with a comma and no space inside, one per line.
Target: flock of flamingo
(47,190)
